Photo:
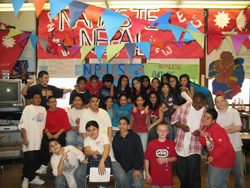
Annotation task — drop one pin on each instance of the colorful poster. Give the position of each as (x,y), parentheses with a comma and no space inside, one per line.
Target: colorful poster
(86,33)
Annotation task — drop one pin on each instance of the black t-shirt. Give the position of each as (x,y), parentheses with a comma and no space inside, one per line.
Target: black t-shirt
(45,92)
(86,95)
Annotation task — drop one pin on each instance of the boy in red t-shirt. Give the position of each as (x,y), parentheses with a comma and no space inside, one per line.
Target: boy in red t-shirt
(160,155)
(94,86)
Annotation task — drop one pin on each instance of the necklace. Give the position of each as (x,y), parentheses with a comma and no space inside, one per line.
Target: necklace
(225,74)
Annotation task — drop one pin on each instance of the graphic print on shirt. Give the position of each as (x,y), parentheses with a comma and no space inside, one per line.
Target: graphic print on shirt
(38,117)
(67,167)
(162,152)
(209,142)
(46,92)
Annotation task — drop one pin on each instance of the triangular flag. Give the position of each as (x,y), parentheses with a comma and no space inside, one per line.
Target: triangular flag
(188,36)
(162,19)
(13,32)
(112,50)
(199,37)
(17,5)
(75,10)
(178,44)
(55,47)
(130,49)
(23,36)
(163,27)
(216,39)
(136,27)
(159,44)
(85,51)
(99,50)
(44,43)
(145,48)
(39,6)
(210,45)
(33,39)
(56,6)
(229,40)
(176,30)
(75,48)
(67,41)
(247,44)
(237,41)
(93,13)
(112,21)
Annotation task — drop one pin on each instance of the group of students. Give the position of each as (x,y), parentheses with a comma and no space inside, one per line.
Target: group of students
(146,128)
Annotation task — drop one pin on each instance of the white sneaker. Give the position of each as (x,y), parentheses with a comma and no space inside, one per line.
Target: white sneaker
(25,183)
(42,169)
(37,181)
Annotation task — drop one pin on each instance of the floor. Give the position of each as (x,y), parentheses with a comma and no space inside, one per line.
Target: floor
(13,173)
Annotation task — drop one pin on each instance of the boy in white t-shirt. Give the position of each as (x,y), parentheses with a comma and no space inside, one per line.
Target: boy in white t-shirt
(65,165)
(32,124)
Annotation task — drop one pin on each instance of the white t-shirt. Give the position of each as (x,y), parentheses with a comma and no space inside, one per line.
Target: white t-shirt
(70,164)
(73,114)
(231,117)
(33,121)
(97,145)
(101,117)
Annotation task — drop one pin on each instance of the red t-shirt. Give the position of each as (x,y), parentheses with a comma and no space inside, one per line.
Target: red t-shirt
(139,125)
(94,91)
(154,115)
(57,120)
(161,174)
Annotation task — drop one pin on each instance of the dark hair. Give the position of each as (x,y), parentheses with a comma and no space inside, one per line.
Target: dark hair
(188,79)
(50,97)
(137,96)
(92,123)
(33,95)
(167,75)
(159,82)
(157,103)
(105,99)
(119,85)
(53,140)
(93,96)
(93,77)
(77,95)
(213,113)
(133,93)
(199,95)
(142,80)
(122,95)
(42,73)
(124,118)
(177,86)
(80,78)
(108,78)
(169,87)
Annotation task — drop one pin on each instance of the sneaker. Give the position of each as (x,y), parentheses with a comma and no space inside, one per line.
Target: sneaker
(25,183)
(37,181)
(42,169)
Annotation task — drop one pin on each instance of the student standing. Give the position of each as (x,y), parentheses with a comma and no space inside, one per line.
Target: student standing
(94,86)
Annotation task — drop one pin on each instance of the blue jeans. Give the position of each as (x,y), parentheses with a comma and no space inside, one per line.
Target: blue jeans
(217,177)
(74,138)
(144,140)
(238,170)
(119,174)
(133,183)
(155,186)
(79,174)
(172,129)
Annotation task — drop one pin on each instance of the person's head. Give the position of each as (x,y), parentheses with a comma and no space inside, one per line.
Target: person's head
(184,80)
(139,100)
(81,82)
(52,103)
(108,80)
(220,102)
(43,77)
(77,101)
(226,56)
(94,103)
(54,146)
(94,80)
(123,124)
(166,88)
(162,130)
(123,100)
(92,129)
(36,99)
(145,81)
(156,84)
(173,81)
(210,117)
(136,83)
(199,100)
(165,78)
(123,81)
(108,101)
(154,100)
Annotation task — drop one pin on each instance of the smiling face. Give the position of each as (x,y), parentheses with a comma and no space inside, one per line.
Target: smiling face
(109,102)
(52,103)
(81,85)
(54,147)
(145,82)
(93,132)
(139,101)
(208,120)
(36,100)
(172,82)
(221,103)
(137,84)
(94,83)
(77,102)
(153,98)
(155,84)
(165,89)
(124,82)
(198,103)
(184,82)
(123,101)
(162,131)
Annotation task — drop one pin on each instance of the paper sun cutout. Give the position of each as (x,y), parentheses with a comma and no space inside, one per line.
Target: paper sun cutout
(8,43)
(221,19)
(241,21)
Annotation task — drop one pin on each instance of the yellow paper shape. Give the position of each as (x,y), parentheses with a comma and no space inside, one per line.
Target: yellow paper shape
(85,51)
(199,37)
(13,32)
(112,50)
(229,40)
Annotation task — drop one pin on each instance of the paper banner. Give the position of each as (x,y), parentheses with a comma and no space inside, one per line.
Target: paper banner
(56,6)
(55,47)
(99,51)
(17,5)
(163,27)
(199,37)
(176,30)
(210,45)
(130,49)
(39,6)
(237,41)
(75,10)
(75,49)
(162,19)
(178,44)
(229,40)
(136,27)
(67,41)
(188,36)
(216,39)
(112,50)
(85,51)
(112,21)
(93,13)
(44,43)
(145,48)
(13,32)
(33,39)
(247,43)
(23,36)
(159,44)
